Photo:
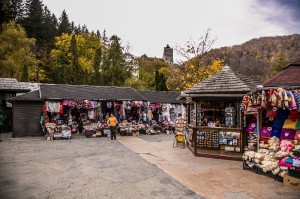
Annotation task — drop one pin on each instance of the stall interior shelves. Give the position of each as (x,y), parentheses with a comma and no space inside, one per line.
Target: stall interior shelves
(219,139)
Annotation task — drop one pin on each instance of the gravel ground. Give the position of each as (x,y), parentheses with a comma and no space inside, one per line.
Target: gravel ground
(81,168)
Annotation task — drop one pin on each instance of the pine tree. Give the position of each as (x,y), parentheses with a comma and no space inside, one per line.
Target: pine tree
(75,68)
(33,21)
(104,37)
(157,82)
(160,81)
(24,77)
(10,10)
(64,24)
(279,64)
(96,66)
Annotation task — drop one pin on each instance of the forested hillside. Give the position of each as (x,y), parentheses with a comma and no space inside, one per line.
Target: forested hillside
(257,56)
(37,46)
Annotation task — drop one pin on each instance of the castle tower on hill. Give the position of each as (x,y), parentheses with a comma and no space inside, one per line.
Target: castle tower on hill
(168,54)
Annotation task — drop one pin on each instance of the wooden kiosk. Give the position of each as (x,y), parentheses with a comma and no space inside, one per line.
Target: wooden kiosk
(214,115)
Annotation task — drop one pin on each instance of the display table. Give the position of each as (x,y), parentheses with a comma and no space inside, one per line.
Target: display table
(223,140)
(129,130)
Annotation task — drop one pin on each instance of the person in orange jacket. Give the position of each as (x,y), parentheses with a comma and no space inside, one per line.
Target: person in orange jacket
(112,122)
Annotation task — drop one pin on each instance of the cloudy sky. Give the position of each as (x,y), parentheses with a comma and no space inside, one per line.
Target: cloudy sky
(148,25)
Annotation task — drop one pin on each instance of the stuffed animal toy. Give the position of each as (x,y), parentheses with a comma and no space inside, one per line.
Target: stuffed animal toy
(248,155)
(286,146)
(273,143)
(282,173)
(269,163)
(276,170)
(281,154)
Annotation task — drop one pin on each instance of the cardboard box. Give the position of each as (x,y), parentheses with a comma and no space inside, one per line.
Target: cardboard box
(291,182)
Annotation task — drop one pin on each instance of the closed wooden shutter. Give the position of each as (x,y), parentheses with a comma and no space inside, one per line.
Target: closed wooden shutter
(26,119)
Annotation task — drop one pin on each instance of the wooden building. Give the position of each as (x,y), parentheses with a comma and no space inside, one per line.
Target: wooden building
(214,114)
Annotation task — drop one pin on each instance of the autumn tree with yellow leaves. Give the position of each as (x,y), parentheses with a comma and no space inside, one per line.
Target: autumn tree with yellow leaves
(196,68)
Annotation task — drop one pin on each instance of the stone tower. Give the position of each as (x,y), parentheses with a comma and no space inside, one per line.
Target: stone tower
(168,54)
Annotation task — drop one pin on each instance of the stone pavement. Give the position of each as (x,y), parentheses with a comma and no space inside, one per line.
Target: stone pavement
(83,168)
(211,178)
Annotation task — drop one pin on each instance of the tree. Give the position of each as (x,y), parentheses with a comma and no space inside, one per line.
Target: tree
(114,70)
(96,65)
(16,52)
(33,21)
(40,24)
(182,77)
(10,10)
(24,77)
(75,69)
(147,68)
(278,65)
(160,81)
(194,69)
(64,25)
(73,58)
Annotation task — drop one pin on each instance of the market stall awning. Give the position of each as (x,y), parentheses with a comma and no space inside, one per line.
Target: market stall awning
(82,92)
(162,96)
(288,77)
(226,82)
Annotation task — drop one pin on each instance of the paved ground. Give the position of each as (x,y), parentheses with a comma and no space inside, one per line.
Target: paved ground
(211,178)
(81,168)
(139,167)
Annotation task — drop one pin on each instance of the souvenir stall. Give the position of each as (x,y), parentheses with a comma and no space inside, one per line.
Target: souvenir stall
(214,115)
(276,126)
(69,113)
(62,119)
(275,151)
(162,110)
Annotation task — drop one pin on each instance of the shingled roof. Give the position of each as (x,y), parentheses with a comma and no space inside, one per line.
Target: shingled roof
(289,76)
(81,92)
(225,83)
(11,84)
(28,97)
(161,96)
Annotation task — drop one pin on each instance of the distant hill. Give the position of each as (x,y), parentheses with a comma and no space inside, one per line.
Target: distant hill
(255,57)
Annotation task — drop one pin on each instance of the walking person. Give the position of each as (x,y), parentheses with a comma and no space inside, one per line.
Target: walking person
(112,122)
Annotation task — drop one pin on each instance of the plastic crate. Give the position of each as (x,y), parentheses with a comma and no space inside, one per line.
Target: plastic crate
(294,172)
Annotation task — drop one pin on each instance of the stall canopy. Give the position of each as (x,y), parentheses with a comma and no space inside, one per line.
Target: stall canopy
(81,92)
(162,97)
(225,83)
(289,76)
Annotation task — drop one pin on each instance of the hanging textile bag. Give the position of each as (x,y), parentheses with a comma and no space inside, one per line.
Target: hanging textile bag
(278,123)
(298,125)
(290,124)
(276,132)
(294,114)
(288,134)
(271,113)
(283,113)
(251,127)
(297,135)
(266,131)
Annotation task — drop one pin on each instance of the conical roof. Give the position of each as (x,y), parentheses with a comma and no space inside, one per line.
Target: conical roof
(226,81)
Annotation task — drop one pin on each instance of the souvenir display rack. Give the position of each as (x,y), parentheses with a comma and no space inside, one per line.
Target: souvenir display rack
(224,139)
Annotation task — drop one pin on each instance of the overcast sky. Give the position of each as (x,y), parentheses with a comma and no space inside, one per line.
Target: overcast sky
(148,25)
